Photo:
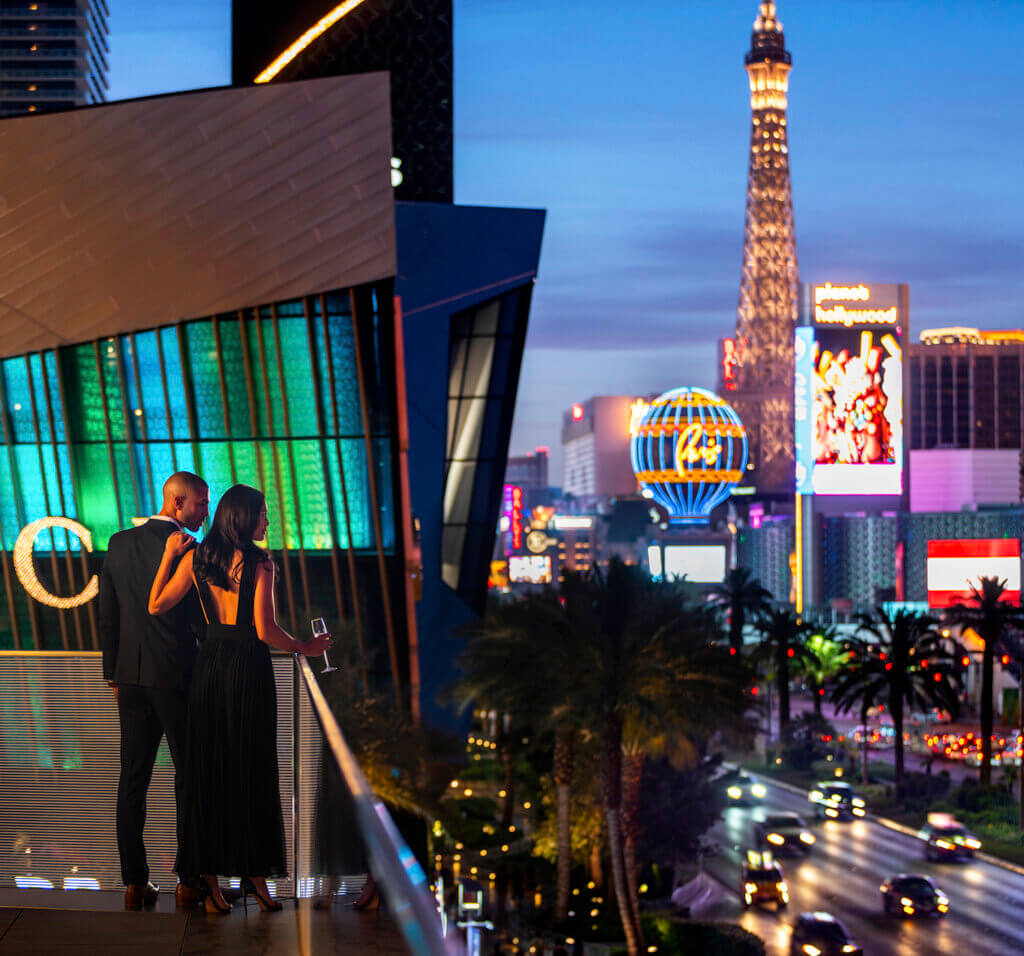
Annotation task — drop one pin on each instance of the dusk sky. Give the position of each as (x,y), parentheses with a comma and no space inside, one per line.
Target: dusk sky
(629,124)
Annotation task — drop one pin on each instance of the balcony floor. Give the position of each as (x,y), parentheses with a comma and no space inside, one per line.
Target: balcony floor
(88,922)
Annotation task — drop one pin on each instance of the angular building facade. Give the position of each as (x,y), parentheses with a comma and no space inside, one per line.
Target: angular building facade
(53,55)
(184,300)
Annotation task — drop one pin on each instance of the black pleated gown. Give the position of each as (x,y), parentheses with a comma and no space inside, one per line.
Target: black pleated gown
(231,814)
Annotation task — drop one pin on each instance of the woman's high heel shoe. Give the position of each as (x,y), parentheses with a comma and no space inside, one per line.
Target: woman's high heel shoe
(266,904)
(211,905)
(369,899)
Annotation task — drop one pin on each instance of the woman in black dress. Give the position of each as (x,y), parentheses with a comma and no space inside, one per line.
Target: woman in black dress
(231,808)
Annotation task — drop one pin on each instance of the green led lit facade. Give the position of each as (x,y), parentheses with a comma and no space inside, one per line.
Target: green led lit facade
(268,396)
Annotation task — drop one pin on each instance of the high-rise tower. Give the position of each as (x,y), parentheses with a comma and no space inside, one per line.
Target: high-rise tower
(766,316)
(53,55)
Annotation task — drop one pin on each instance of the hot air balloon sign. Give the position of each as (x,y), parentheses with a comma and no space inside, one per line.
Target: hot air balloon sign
(688,450)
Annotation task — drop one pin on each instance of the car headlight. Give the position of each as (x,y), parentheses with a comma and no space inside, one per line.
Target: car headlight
(781,887)
(857,802)
(848,948)
(832,812)
(943,901)
(906,902)
(944,844)
(858,812)
(807,838)
(734,792)
(775,838)
(973,844)
(749,887)
(811,950)
(815,795)
(759,790)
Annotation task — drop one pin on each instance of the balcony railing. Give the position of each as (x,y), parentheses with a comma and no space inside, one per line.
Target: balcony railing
(59,768)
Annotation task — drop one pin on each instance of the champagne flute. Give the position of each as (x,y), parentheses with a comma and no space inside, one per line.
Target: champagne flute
(319,629)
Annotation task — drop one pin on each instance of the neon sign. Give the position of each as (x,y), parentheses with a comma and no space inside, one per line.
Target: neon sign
(25,569)
(730,360)
(636,414)
(688,451)
(694,446)
(840,315)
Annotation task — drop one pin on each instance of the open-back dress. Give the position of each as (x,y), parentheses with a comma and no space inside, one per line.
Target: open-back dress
(231,807)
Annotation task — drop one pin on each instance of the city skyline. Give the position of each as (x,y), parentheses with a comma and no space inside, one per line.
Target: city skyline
(632,132)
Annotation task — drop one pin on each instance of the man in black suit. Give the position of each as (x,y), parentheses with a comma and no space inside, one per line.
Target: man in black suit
(148,663)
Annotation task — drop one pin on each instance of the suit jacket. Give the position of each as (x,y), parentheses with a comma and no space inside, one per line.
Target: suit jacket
(139,648)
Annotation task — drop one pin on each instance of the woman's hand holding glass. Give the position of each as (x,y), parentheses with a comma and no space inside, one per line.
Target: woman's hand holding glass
(319,633)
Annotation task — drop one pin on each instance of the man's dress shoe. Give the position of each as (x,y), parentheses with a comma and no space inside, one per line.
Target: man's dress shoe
(185,897)
(137,894)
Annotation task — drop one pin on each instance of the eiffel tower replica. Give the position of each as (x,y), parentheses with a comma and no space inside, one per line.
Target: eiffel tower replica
(766,317)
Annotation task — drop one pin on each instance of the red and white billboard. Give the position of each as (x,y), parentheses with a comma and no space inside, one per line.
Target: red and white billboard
(954,567)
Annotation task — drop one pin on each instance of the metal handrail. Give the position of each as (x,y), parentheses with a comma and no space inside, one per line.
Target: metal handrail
(394,866)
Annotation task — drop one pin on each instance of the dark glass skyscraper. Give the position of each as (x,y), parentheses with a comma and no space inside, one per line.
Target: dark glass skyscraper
(52,55)
(274,40)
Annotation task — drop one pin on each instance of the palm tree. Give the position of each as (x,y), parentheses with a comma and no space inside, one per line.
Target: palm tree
(649,664)
(521,659)
(913,668)
(698,697)
(738,595)
(861,685)
(828,659)
(783,646)
(989,615)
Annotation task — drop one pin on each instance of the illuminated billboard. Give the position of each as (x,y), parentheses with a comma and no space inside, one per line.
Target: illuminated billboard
(955,567)
(698,563)
(848,390)
(530,569)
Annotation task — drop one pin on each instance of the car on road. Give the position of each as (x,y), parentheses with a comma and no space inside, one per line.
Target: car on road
(761,881)
(742,790)
(945,838)
(821,934)
(835,800)
(913,894)
(783,833)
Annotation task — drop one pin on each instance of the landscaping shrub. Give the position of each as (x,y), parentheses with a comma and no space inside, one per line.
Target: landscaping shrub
(701,939)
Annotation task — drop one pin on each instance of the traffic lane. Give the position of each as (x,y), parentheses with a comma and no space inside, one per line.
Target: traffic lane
(851,860)
(972,886)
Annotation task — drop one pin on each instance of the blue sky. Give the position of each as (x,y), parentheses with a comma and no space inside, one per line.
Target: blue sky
(629,124)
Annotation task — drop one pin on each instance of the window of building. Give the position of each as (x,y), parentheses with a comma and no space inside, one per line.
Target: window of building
(1008,397)
(984,402)
(946,400)
(915,402)
(963,404)
(931,404)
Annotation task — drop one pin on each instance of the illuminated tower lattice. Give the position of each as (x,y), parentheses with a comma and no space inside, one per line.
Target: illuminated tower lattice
(767,311)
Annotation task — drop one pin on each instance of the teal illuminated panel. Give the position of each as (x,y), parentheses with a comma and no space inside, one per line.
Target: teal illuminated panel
(92,430)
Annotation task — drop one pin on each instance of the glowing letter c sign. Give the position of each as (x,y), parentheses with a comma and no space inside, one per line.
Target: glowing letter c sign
(26,571)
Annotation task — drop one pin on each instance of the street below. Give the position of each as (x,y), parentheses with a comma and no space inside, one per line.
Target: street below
(843,873)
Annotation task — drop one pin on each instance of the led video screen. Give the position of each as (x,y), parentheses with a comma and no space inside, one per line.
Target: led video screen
(849,393)
(955,567)
(699,563)
(529,569)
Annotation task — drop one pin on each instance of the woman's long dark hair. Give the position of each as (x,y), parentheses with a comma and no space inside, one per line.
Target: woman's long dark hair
(234,522)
